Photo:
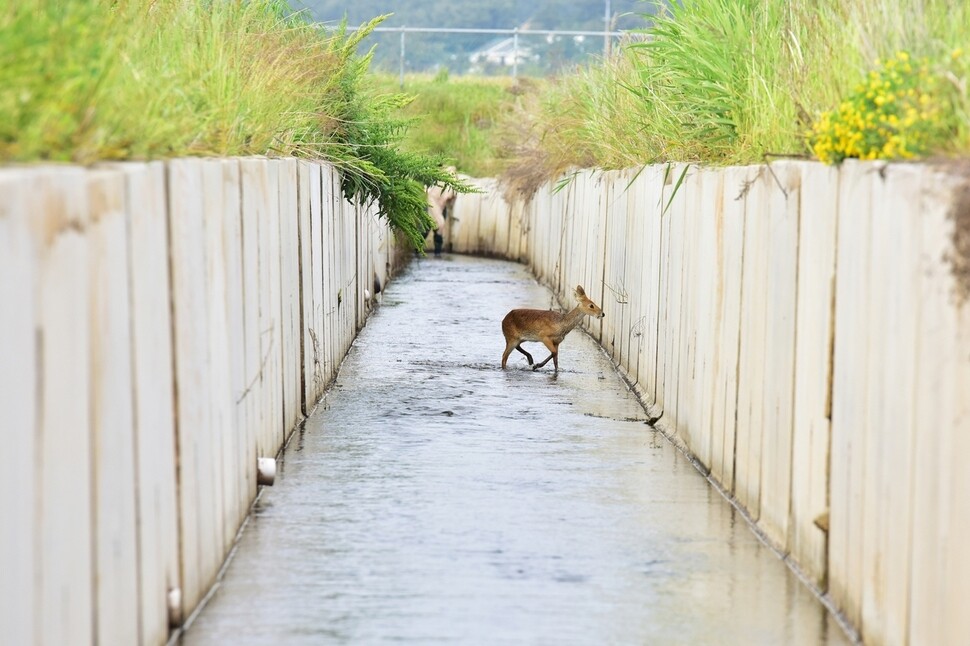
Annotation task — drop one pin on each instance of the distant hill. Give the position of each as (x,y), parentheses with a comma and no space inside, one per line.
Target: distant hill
(426,52)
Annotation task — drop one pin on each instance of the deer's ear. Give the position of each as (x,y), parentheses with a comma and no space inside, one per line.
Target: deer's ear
(579,291)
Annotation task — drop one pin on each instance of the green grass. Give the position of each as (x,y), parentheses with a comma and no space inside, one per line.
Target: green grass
(456,117)
(88,80)
(731,81)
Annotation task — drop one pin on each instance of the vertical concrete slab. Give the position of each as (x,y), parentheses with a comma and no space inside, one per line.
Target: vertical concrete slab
(564,252)
(146,206)
(362,240)
(487,225)
(850,406)
(664,302)
(290,294)
(813,360)
(190,320)
(753,349)
(561,205)
(937,550)
(784,187)
(894,346)
(729,218)
(266,290)
(271,319)
(219,474)
(600,218)
(238,484)
(540,232)
(348,253)
(650,194)
(696,289)
(673,311)
(309,365)
(344,256)
(340,279)
(498,245)
(322,234)
(467,212)
(112,413)
(332,204)
(632,343)
(957,521)
(19,282)
(615,296)
(254,189)
(517,244)
(57,205)
(708,309)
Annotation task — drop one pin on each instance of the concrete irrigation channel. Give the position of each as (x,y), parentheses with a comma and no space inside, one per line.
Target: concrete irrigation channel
(434,498)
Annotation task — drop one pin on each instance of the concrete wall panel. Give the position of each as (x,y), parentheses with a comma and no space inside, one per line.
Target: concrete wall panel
(291,367)
(112,413)
(894,281)
(935,616)
(849,379)
(154,418)
(813,387)
(649,188)
(140,303)
(752,348)
(271,319)
(784,186)
(695,290)
(729,227)
(57,204)
(672,304)
(708,310)
(197,500)
(19,282)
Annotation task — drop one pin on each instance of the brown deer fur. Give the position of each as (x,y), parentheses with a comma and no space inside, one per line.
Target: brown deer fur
(545,326)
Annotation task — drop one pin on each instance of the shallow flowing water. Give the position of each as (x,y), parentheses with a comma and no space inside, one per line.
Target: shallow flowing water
(434,498)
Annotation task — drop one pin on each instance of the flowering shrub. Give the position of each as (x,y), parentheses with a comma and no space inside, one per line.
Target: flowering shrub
(896,114)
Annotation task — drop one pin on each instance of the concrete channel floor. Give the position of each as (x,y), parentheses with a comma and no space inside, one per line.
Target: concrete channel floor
(434,499)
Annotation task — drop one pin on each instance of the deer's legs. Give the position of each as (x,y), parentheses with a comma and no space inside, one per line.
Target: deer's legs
(509,345)
(527,355)
(554,355)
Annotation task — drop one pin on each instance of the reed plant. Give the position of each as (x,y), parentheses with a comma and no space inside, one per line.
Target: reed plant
(734,81)
(456,117)
(86,80)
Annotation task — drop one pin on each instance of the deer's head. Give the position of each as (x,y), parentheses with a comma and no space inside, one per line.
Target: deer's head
(588,306)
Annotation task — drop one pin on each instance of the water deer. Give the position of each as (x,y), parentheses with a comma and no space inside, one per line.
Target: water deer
(545,326)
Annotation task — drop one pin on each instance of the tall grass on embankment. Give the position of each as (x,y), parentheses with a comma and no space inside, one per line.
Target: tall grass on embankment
(731,81)
(87,80)
(457,117)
